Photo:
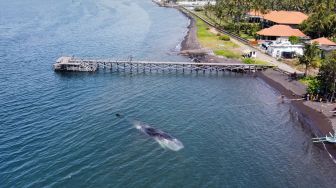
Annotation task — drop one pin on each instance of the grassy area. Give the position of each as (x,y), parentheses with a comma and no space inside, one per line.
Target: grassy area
(254,61)
(224,23)
(227,54)
(212,40)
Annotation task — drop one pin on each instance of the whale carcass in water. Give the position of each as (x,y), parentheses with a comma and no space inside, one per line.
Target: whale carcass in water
(165,140)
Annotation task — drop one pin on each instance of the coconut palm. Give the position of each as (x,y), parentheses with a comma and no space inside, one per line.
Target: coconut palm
(310,58)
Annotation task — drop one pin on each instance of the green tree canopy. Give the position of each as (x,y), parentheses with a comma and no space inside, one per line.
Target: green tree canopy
(327,76)
(310,58)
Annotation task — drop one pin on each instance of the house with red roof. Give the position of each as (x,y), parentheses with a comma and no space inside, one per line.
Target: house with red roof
(327,46)
(323,42)
(277,32)
(278,24)
(290,18)
(280,47)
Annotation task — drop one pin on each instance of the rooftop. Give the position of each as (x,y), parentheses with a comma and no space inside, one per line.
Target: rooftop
(286,17)
(324,41)
(281,31)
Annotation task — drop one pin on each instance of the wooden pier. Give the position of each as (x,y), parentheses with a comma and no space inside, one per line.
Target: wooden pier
(92,65)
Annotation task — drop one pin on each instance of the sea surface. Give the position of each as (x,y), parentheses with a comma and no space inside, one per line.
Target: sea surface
(60,130)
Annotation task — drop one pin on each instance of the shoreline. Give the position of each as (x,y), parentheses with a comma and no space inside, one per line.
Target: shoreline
(317,123)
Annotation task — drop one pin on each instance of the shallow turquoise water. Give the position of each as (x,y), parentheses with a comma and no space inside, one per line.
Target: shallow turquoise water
(60,130)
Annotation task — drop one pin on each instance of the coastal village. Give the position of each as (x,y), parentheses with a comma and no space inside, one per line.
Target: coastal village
(304,56)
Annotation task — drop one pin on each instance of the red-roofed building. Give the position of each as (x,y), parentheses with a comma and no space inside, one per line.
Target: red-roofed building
(279,31)
(324,42)
(291,18)
(327,46)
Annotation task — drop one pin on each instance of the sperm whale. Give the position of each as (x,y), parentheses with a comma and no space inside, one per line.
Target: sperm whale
(163,139)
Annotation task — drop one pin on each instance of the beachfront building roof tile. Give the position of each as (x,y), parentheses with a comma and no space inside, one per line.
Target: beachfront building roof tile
(324,41)
(281,31)
(285,17)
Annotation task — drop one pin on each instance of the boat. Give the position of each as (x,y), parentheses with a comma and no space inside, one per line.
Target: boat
(330,139)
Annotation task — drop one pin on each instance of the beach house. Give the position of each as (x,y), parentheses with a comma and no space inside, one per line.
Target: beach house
(279,32)
(279,24)
(290,18)
(284,49)
(327,46)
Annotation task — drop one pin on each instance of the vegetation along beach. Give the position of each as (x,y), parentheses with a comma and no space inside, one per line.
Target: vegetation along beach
(162,93)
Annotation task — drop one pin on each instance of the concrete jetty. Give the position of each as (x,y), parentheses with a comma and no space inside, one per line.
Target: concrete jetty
(92,65)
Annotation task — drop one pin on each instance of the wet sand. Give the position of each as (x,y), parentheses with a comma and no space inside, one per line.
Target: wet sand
(314,120)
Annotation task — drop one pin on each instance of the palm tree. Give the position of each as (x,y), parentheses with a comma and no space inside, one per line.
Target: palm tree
(310,56)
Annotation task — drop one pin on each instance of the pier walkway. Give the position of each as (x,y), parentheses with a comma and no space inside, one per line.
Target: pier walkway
(92,65)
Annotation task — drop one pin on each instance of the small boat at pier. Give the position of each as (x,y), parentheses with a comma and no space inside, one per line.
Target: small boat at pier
(330,139)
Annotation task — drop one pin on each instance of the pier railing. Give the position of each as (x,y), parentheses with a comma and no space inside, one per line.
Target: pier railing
(91,65)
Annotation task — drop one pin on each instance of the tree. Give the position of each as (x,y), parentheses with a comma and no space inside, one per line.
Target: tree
(294,39)
(321,22)
(310,57)
(327,76)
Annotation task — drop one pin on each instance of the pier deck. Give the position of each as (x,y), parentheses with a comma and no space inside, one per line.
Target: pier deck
(91,65)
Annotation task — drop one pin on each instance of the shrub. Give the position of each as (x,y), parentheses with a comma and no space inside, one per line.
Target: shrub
(198,9)
(313,85)
(294,39)
(248,61)
(224,37)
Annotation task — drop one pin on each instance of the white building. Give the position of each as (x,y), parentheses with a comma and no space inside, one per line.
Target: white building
(284,49)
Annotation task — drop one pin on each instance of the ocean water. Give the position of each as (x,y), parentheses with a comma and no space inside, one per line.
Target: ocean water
(60,130)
